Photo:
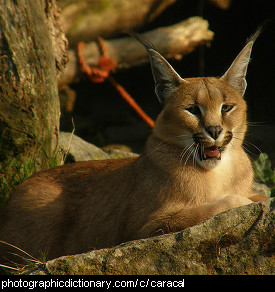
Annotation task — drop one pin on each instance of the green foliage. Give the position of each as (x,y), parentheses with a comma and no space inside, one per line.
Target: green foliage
(264,173)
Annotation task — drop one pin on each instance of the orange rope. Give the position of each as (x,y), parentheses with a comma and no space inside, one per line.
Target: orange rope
(132,102)
(102,72)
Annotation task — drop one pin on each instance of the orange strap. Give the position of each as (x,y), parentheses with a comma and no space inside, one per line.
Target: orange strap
(102,72)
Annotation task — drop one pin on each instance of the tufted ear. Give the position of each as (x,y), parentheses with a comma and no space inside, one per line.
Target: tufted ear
(236,73)
(165,77)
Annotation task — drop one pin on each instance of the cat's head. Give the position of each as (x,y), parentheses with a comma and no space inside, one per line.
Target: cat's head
(206,116)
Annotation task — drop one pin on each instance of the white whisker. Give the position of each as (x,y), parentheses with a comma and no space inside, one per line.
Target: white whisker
(189,154)
(194,155)
(248,143)
(185,150)
(253,146)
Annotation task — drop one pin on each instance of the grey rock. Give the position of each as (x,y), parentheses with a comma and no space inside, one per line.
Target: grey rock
(238,241)
(261,189)
(117,153)
(79,149)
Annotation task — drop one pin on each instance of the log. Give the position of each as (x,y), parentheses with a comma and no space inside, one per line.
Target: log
(172,42)
(29,66)
(84,20)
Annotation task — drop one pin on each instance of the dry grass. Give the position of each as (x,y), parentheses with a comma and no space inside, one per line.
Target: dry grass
(27,261)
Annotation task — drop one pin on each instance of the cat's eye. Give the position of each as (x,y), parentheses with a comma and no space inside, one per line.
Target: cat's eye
(226,108)
(194,110)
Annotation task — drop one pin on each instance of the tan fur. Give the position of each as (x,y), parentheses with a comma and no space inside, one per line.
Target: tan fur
(79,207)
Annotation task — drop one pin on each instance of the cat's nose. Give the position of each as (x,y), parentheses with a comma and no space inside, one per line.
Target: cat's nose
(214,131)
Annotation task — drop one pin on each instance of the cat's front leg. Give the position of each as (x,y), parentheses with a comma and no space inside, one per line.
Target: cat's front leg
(176,218)
(257,198)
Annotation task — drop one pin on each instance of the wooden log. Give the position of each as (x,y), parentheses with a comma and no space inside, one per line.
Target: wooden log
(84,20)
(172,42)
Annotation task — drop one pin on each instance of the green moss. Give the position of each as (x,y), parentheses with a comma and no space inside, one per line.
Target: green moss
(15,170)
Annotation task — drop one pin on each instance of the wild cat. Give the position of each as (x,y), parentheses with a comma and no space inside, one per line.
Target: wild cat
(193,167)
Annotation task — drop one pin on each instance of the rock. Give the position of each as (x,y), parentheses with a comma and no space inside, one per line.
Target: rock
(261,189)
(117,153)
(238,241)
(80,150)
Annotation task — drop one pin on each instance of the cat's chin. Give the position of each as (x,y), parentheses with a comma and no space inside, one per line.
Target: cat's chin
(210,157)
(209,163)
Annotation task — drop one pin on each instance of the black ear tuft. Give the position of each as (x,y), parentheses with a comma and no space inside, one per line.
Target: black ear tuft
(236,73)
(147,44)
(166,78)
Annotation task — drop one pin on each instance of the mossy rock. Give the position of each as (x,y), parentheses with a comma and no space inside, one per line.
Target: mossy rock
(239,241)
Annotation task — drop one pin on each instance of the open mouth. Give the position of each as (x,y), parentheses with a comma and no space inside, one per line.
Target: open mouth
(213,152)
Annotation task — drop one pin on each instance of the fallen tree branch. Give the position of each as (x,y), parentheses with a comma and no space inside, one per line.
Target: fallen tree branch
(84,21)
(172,42)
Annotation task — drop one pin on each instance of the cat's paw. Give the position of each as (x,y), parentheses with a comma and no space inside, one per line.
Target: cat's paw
(234,201)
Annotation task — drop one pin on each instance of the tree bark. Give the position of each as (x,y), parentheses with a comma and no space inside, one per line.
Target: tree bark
(172,42)
(29,66)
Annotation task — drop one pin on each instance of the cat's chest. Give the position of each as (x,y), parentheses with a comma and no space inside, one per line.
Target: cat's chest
(197,187)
